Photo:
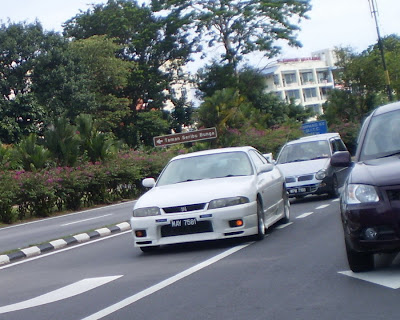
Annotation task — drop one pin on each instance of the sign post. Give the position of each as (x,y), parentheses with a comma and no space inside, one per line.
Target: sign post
(203,134)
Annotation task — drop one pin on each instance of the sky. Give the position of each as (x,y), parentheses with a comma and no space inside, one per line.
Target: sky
(332,23)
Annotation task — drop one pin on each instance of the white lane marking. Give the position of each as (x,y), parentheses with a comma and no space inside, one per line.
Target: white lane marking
(386,278)
(60,294)
(284,225)
(69,214)
(323,206)
(44,255)
(304,215)
(132,299)
(83,220)
(335,200)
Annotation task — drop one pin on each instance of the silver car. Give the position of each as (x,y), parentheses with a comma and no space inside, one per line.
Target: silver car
(305,163)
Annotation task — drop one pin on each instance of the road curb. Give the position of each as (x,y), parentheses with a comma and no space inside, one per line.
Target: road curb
(61,243)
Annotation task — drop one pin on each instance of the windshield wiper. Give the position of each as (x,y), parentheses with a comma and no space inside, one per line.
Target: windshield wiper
(394,153)
(320,157)
(188,180)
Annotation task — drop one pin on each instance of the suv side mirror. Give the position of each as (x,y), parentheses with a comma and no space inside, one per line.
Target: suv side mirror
(341,159)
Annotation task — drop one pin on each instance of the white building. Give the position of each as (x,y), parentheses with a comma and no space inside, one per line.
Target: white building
(306,80)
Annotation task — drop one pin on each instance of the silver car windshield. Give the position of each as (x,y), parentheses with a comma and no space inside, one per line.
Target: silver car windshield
(382,138)
(304,151)
(211,166)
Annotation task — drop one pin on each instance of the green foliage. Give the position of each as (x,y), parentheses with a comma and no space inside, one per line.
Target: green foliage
(150,124)
(62,83)
(98,146)
(41,193)
(36,195)
(149,41)
(31,155)
(62,141)
(20,114)
(265,140)
(241,27)
(8,190)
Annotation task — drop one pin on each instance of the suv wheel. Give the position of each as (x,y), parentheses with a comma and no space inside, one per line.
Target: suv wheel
(359,261)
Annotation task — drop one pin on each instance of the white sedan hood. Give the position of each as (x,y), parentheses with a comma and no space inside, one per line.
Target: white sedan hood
(201,191)
(303,167)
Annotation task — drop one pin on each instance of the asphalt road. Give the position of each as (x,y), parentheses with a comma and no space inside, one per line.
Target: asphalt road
(33,233)
(299,271)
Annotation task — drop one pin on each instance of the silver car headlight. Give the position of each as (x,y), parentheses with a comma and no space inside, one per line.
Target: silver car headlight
(321,174)
(361,193)
(227,202)
(146,212)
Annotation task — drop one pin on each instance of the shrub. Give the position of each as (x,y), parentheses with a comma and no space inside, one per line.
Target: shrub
(8,188)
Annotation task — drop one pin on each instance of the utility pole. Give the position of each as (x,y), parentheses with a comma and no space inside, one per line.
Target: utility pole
(373,7)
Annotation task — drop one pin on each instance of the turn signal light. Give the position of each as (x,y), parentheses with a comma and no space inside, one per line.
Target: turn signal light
(140,233)
(236,223)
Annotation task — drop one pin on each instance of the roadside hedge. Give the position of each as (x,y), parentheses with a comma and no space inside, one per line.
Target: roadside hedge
(25,195)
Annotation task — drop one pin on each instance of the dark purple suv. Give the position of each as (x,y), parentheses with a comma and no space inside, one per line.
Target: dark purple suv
(370,200)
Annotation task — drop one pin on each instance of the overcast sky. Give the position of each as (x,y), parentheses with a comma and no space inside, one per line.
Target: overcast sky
(332,23)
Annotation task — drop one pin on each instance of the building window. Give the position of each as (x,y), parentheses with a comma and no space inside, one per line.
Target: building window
(292,94)
(276,79)
(307,78)
(323,76)
(309,93)
(324,92)
(290,78)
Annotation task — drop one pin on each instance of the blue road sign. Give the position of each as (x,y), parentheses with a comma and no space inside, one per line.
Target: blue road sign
(315,127)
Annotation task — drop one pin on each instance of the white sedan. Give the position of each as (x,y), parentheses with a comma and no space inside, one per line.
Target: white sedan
(209,195)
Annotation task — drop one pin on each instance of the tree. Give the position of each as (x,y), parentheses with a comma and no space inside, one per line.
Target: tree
(261,110)
(151,42)
(157,45)
(241,27)
(20,114)
(62,83)
(109,76)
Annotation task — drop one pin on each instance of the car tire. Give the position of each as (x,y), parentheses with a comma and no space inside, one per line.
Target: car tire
(359,261)
(149,248)
(286,208)
(335,188)
(260,222)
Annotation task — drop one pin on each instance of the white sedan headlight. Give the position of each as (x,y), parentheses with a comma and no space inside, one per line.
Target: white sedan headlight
(321,174)
(227,202)
(146,212)
(361,193)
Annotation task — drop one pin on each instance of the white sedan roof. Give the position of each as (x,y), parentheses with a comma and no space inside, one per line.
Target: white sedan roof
(213,151)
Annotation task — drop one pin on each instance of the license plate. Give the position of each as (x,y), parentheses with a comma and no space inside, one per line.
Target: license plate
(183,222)
(297,190)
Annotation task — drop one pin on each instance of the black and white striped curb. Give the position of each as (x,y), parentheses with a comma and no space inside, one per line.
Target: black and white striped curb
(61,243)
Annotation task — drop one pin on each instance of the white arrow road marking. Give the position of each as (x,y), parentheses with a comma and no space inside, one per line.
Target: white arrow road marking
(386,278)
(60,294)
(140,295)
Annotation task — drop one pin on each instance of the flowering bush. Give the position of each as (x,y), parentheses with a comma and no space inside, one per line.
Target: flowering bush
(26,194)
(8,188)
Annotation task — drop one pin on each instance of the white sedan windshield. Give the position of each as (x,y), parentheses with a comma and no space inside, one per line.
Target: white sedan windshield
(206,167)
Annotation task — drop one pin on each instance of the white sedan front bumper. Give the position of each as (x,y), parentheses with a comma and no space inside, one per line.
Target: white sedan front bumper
(194,226)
